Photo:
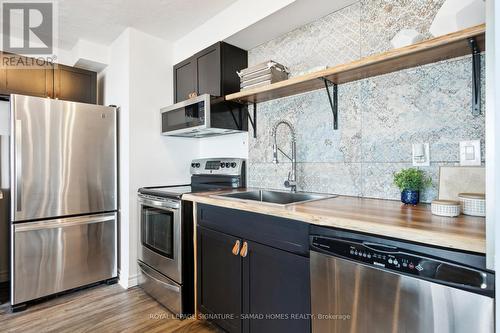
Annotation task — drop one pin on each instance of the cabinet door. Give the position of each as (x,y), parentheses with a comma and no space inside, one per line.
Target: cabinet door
(208,76)
(184,80)
(275,283)
(75,84)
(219,278)
(18,78)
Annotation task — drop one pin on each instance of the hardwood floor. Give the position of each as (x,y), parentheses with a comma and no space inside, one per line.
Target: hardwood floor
(99,309)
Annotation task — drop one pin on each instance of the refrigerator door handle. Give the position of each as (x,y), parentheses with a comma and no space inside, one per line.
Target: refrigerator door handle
(19,164)
(63,223)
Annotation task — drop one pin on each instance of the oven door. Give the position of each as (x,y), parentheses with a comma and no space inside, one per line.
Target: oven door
(188,116)
(160,236)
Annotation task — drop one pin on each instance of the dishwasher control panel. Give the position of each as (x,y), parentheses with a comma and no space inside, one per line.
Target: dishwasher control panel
(399,260)
(374,255)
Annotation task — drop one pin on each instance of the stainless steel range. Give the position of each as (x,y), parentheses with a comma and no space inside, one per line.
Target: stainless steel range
(166,253)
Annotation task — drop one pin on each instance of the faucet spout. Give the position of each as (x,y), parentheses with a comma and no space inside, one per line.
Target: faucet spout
(291,181)
(275,154)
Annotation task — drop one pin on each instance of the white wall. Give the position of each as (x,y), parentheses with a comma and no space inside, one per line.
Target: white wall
(139,80)
(233,145)
(238,16)
(492,129)
(154,159)
(115,89)
(493,141)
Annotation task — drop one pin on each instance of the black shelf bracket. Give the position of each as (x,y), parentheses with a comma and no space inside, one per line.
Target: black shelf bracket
(230,109)
(334,101)
(253,121)
(476,77)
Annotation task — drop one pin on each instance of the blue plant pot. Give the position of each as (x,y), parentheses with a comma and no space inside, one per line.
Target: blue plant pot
(409,197)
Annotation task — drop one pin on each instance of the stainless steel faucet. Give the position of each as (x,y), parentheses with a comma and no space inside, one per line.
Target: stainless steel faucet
(291,181)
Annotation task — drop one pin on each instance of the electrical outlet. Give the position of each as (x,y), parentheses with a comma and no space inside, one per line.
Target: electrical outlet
(421,154)
(470,153)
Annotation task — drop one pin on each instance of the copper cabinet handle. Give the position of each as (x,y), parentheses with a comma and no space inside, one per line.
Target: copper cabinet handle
(244,250)
(236,247)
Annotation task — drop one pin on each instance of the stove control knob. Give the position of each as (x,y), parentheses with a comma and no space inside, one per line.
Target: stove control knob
(233,164)
(193,165)
(228,164)
(197,165)
(222,165)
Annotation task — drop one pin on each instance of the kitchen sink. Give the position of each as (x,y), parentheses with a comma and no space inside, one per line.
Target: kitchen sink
(275,197)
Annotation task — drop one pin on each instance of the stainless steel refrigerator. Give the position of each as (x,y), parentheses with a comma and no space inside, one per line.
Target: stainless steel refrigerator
(63,207)
(4,196)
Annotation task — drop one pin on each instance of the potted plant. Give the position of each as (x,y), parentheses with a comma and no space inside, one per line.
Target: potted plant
(411,181)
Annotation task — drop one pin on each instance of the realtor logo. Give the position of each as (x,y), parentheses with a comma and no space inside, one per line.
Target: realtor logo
(28,27)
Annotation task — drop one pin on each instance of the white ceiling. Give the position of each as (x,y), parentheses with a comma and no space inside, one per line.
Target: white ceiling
(287,19)
(101,21)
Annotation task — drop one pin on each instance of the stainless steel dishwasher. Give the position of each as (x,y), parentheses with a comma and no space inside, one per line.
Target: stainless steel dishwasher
(360,283)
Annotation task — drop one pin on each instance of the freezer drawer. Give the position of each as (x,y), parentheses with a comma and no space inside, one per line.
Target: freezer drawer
(167,292)
(352,297)
(57,255)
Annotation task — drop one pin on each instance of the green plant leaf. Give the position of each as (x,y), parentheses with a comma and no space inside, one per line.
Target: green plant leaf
(411,179)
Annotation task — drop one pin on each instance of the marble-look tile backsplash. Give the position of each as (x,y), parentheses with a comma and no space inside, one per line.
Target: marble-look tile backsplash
(379,117)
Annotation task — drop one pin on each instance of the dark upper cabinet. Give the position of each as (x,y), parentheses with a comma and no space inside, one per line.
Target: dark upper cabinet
(75,84)
(210,71)
(274,269)
(23,80)
(208,66)
(184,79)
(62,82)
(219,277)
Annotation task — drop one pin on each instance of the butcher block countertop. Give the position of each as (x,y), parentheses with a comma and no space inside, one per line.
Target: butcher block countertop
(374,216)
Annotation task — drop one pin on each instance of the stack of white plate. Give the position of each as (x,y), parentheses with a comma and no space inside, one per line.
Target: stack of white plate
(262,75)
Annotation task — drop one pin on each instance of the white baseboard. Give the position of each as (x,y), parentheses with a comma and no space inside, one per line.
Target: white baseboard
(133,280)
(128,281)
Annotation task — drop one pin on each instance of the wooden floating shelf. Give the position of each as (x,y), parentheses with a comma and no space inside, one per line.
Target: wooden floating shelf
(429,51)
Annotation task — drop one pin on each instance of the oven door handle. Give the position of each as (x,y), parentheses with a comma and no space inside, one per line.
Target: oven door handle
(146,271)
(166,205)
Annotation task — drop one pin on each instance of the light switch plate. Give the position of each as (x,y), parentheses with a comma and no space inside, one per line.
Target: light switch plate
(470,153)
(421,154)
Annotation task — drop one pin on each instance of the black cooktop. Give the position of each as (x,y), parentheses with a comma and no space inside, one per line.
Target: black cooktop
(175,191)
(178,191)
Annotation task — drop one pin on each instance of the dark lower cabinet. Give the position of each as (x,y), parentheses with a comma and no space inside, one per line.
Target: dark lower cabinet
(276,290)
(261,288)
(219,279)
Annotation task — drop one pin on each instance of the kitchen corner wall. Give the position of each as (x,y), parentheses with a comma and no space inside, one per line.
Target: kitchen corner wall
(379,118)
(139,80)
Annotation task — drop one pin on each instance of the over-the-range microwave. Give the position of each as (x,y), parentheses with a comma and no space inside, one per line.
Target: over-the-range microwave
(203,116)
